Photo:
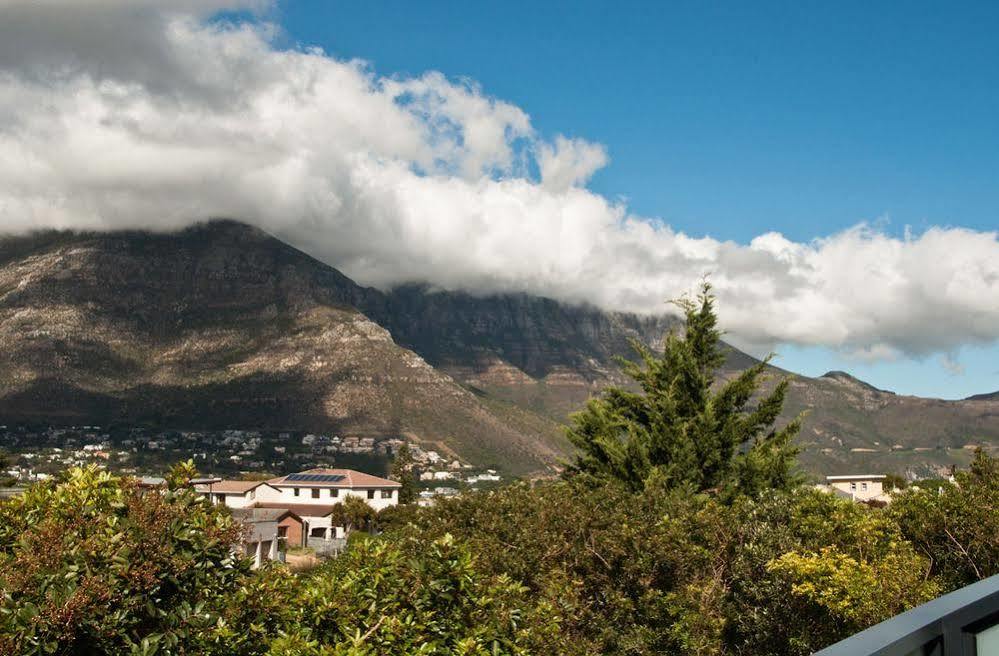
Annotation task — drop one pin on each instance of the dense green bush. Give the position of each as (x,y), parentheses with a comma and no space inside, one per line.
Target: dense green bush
(664,571)
(414,596)
(95,565)
(955,526)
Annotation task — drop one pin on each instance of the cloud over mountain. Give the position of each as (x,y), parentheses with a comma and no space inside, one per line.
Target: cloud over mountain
(118,113)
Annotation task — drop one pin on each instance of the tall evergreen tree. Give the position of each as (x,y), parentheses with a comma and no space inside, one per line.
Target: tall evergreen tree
(683,429)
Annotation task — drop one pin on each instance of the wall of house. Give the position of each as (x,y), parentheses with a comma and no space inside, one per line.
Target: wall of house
(860,489)
(329,496)
(294,531)
(260,541)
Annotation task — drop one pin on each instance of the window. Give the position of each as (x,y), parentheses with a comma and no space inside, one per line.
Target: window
(334,492)
(863,486)
(315,493)
(386,494)
(853,487)
(219,498)
(296,491)
(371,494)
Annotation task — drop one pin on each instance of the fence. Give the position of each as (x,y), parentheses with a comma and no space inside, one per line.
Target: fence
(324,547)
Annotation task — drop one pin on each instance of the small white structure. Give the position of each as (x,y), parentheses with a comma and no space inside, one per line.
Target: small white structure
(859,487)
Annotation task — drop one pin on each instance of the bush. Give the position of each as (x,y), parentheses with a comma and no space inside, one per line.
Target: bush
(956,526)
(411,596)
(93,564)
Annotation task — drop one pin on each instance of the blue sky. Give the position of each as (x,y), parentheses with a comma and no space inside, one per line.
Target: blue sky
(734,119)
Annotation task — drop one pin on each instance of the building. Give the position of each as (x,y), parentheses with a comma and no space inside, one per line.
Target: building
(331,486)
(859,487)
(305,502)
(262,536)
(236,494)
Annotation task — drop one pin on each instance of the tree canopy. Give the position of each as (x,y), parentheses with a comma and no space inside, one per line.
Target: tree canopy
(683,427)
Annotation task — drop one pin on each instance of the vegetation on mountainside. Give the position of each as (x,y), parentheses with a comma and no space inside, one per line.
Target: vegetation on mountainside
(670,536)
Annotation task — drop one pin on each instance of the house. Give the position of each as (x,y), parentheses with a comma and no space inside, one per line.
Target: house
(308,498)
(235,494)
(859,487)
(263,531)
(331,486)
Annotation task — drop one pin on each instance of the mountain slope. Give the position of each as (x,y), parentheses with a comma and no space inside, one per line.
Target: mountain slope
(222,325)
(549,358)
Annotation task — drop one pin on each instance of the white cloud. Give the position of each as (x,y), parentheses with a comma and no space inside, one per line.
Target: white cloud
(120,114)
(569,162)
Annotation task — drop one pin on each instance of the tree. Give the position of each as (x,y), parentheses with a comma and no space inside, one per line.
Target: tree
(402,471)
(676,430)
(181,474)
(353,513)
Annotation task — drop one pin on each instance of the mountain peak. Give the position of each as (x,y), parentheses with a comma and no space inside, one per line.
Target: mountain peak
(848,379)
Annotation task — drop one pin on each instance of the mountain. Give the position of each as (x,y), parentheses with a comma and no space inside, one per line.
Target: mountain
(223,325)
(994,396)
(549,357)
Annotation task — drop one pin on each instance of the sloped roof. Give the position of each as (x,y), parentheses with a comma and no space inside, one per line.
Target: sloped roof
(254,515)
(299,509)
(351,479)
(230,486)
(857,477)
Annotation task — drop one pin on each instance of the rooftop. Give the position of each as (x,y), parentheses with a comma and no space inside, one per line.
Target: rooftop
(299,509)
(342,478)
(229,486)
(857,477)
(255,515)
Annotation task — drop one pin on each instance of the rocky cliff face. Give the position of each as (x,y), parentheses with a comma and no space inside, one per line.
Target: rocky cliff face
(223,325)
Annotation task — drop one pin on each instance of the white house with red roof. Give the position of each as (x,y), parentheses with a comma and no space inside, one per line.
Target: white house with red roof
(326,487)
(308,497)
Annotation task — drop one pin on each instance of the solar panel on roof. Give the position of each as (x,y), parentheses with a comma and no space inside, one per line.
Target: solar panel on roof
(314,478)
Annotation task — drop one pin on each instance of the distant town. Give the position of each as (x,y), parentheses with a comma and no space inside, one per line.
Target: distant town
(36,453)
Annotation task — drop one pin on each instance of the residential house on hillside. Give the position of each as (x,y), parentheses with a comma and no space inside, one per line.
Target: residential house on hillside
(858,487)
(307,500)
(235,494)
(263,531)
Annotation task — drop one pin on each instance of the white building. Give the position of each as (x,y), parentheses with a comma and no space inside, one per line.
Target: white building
(332,486)
(236,494)
(309,497)
(260,540)
(859,487)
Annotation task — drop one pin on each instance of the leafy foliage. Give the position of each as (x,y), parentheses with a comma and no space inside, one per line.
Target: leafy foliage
(94,565)
(677,431)
(414,597)
(402,471)
(956,526)
(353,513)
